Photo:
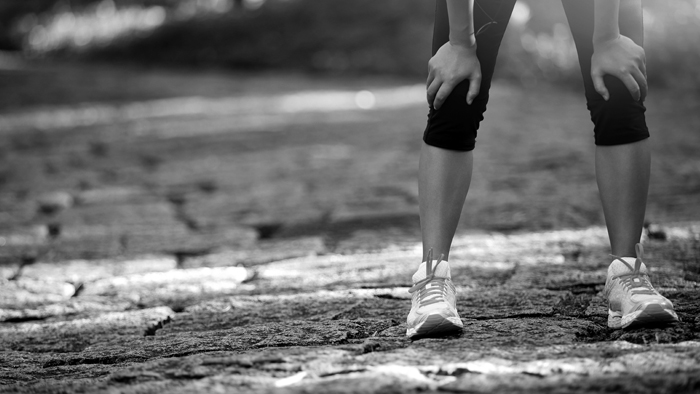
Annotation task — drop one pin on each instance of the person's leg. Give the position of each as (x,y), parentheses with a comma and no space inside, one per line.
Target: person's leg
(622,151)
(622,171)
(443,182)
(446,158)
(445,173)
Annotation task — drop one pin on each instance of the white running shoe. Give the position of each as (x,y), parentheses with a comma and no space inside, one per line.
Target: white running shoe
(632,299)
(434,304)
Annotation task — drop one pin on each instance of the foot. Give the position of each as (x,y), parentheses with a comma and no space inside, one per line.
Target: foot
(632,299)
(433,309)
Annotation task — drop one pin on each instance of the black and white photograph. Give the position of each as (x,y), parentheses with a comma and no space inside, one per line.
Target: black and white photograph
(349,196)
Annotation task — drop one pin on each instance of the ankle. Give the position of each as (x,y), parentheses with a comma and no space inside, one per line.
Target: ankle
(436,255)
(628,259)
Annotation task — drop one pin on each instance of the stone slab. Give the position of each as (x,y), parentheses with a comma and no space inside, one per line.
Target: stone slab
(22,242)
(388,269)
(82,271)
(172,287)
(317,306)
(87,242)
(114,195)
(177,238)
(28,293)
(374,209)
(27,372)
(65,310)
(103,241)
(557,277)
(498,303)
(53,202)
(79,334)
(113,348)
(144,214)
(572,368)
(260,253)
(8,271)
(284,203)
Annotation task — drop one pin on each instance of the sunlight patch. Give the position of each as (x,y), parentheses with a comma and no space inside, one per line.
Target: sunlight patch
(97,25)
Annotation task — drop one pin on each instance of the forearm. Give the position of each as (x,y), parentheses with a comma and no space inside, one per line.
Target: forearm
(606,26)
(461,16)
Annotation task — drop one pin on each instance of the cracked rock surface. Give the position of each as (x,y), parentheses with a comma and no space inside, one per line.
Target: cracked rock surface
(337,323)
(272,253)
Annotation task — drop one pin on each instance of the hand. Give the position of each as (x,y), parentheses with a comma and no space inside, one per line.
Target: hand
(451,65)
(623,59)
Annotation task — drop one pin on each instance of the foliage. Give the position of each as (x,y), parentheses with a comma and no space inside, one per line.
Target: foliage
(359,36)
(339,37)
(673,42)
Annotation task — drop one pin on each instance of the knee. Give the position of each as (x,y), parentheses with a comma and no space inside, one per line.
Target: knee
(621,119)
(454,126)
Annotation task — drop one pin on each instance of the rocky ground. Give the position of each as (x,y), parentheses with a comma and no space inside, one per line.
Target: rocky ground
(264,242)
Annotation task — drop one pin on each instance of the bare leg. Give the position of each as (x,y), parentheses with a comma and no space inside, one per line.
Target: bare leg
(443,182)
(622,172)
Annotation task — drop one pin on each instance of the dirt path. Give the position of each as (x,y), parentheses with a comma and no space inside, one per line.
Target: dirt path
(265,242)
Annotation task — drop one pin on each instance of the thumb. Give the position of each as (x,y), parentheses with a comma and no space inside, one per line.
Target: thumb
(599,86)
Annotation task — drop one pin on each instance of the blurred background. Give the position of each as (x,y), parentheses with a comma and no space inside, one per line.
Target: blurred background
(350,38)
(141,123)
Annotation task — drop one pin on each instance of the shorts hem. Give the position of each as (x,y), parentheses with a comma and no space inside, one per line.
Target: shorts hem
(621,139)
(450,146)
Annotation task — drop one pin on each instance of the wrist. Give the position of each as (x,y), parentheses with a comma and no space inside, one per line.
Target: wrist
(606,25)
(599,39)
(466,42)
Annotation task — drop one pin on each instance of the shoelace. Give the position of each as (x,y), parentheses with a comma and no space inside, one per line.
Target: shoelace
(438,286)
(635,281)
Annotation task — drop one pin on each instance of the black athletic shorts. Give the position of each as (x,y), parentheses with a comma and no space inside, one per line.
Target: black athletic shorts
(620,120)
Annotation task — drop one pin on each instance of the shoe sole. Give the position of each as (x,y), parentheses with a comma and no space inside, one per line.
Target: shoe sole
(434,326)
(652,314)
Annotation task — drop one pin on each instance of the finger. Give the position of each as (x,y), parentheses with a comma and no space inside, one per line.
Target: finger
(642,62)
(643,68)
(641,80)
(599,86)
(442,93)
(474,86)
(432,91)
(632,86)
(431,77)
